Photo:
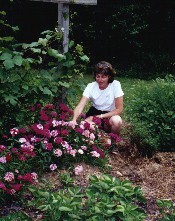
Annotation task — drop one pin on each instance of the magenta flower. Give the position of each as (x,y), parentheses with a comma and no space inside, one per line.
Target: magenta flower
(2,186)
(64,132)
(79,130)
(2,147)
(58,140)
(48,146)
(16,187)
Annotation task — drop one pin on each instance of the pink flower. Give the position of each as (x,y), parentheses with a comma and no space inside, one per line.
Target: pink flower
(3,159)
(83,147)
(58,152)
(54,133)
(53,167)
(14,131)
(34,175)
(39,126)
(92,136)
(95,154)
(9,176)
(55,123)
(2,147)
(86,133)
(73,152)
(78,170)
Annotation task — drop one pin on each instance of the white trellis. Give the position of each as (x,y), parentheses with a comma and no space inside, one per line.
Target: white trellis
(63,15)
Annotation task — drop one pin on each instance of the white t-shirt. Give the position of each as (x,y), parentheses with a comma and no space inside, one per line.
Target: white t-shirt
(103,99)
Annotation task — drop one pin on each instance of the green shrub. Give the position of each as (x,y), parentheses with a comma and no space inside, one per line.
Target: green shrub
(106,199)
(36,73)
(152,115)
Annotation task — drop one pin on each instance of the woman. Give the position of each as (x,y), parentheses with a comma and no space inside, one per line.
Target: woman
(107,98)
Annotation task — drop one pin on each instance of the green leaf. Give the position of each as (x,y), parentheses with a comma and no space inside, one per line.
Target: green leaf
(54,53)
(110,212)
(64,84)
(5,56)
(36,50)
(65,209)
(71,44)
(18,60)
(11,99)
(120,208)
(8,64)
(84,58)
(7,39)
(26,87)
(47,91)
(15,28)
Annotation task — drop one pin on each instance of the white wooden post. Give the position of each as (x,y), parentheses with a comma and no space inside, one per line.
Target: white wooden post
(63,16)
(63,24)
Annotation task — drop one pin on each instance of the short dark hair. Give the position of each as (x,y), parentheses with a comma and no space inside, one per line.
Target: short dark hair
(105,68)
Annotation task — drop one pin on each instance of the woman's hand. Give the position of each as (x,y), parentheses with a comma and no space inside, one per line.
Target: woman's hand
(73,123)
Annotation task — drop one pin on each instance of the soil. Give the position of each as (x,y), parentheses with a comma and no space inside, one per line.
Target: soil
(155,175)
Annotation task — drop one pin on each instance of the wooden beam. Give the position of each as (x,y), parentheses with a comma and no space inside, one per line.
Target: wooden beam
(82,2)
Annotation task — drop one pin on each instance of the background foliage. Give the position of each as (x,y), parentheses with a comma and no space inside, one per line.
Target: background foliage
(133,36)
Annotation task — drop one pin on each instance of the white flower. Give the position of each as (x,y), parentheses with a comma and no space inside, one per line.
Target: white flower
(22,140)
(80,151)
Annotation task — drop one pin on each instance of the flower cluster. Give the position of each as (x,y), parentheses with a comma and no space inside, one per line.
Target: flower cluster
(52,140)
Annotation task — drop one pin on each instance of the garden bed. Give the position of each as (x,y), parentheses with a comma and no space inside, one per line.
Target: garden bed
(155,175)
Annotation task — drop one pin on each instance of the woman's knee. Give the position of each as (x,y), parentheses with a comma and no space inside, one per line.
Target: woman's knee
(115,121)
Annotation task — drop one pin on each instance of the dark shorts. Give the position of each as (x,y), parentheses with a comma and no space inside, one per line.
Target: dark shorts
(104,122)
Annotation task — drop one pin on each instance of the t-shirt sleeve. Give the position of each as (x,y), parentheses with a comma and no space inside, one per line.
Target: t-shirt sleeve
(87,91)
(118,92)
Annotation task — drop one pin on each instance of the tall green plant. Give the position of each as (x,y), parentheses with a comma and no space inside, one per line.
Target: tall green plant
(152,115)
(35,72)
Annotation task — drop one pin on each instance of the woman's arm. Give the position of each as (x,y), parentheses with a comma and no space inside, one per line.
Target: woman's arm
(117,111)
(79,109)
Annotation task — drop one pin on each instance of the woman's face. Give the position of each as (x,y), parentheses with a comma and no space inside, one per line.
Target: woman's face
(102,80)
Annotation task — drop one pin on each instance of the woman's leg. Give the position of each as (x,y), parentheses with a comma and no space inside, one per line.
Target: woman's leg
(115,123)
